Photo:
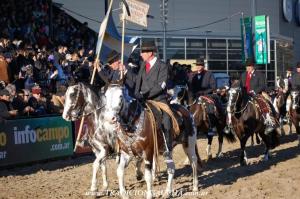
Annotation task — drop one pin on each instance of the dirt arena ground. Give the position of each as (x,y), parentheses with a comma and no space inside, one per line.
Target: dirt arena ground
(221,178)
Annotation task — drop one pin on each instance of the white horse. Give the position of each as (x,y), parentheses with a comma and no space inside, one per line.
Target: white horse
(81,100)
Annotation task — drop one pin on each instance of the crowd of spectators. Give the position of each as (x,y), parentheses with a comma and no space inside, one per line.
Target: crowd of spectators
(36,66)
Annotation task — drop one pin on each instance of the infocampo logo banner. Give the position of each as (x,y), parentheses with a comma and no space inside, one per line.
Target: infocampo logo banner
(27,140)
(262,39)
(247,44)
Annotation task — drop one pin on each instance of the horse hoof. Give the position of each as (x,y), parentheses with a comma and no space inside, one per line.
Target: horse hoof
(195,189)
(244,163)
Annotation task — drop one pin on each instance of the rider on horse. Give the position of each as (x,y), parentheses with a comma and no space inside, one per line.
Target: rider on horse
(202,83)
(254,82)
(295,84)
(151,84)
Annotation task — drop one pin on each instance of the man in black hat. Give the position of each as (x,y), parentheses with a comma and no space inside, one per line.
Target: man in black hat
(252,80)
(254,83)
(112,70)
(200,81)
(151,84)
(296,78)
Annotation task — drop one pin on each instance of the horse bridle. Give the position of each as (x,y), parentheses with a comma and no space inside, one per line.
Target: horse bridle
(234,104)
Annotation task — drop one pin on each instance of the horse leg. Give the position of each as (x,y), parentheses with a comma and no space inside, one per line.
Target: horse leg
(208,148)
(290,126)
(171,171)
(148,177)
(153,169)
(243,156)
(96,164)
(267,145)
(124,159)
(281,126)
(252,140)
(220,139)
(138,172)
(190,151)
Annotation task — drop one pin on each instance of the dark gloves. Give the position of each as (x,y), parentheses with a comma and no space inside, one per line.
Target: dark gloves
(141,96)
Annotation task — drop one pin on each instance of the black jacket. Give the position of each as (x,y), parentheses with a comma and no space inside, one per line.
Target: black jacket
(201,83)
(154,83)
(108,75)
(257,82)
(296,81)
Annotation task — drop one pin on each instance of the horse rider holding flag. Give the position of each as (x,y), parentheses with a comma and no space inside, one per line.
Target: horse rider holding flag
(151,85)
(111,72)
(254,83)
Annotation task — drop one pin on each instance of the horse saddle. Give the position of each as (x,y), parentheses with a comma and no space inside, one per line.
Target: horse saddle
(210,104)
(262,104)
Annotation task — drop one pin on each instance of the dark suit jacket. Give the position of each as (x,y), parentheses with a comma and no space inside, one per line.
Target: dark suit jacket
(155,81)
(296,81)
(108,75)
(257,82)
(203,86)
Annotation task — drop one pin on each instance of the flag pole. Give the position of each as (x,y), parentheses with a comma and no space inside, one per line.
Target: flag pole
(98,50)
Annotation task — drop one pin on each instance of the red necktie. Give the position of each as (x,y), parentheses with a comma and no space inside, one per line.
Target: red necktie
(147,67)
(247,84)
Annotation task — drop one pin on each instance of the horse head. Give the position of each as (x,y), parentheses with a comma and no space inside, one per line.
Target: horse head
(234,99)
(80,100)
(119,105)
(295,99)
(177,94)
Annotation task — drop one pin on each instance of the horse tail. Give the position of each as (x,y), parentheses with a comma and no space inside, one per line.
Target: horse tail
(199,163)
(229,137)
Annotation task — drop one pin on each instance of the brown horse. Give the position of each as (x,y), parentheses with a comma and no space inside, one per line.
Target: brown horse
(198,108)
(138,140)
(205,122)
(294,112)
(245,119)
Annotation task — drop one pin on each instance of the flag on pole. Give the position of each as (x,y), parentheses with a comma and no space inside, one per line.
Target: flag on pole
(112,39)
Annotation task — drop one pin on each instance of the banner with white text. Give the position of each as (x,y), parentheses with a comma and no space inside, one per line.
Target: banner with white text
(27,140)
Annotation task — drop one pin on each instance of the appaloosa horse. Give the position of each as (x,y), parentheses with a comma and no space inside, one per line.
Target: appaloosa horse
(137,137)
(294,111)
(246,119)
(81,100)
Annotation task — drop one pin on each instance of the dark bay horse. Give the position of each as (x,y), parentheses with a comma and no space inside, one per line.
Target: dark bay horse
(246,119)
(179,95)
(137,137)
(294,111)
(216,120)
(81,100)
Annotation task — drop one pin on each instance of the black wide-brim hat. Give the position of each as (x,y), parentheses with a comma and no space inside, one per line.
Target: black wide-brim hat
(249,62)
(148,46)
(112,57)
(199,62)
